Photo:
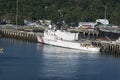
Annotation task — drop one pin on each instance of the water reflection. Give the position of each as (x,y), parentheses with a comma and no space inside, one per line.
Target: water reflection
(114,55)
(9,42)
(59,52)
(61,63)
(1,72)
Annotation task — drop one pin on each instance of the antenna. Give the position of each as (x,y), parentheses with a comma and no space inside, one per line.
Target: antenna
(105,12)
(16,13)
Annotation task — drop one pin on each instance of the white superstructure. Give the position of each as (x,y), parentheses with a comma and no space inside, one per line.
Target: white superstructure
(65,39)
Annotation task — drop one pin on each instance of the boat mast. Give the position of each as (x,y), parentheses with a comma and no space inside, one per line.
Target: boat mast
(16,13)
(105,13)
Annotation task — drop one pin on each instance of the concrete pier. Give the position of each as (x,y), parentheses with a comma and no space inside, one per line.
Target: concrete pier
(22,35)
(108,47)
(87,33)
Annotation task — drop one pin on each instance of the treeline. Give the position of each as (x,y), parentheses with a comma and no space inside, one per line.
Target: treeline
(56,10)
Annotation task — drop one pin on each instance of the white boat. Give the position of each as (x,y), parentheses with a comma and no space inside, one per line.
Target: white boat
(65,39)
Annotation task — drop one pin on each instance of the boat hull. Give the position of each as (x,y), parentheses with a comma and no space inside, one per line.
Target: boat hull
(66,44)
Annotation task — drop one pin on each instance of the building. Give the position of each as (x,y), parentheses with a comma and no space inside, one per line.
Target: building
(87,25)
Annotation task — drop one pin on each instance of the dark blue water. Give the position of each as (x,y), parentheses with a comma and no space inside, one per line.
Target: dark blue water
(32,61)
